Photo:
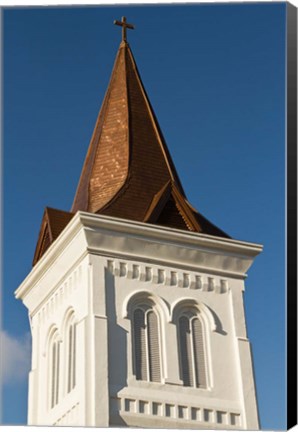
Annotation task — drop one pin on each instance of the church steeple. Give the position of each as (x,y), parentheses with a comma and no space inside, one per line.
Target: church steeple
(128,171)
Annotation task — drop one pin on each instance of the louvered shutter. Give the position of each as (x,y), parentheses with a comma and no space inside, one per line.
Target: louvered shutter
(69,386)
(199,355)
(57,370)
(53,380)
(185,352)
(71,357)
(55,373)
(153,347)
(74,355)
(140,345)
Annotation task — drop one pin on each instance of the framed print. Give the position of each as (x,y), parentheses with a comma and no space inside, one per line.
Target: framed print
(149,223)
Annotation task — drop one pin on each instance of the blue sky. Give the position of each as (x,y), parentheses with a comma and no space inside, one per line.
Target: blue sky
(215,75)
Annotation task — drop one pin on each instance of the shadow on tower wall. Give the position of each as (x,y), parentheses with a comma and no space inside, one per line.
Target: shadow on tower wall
(117,352)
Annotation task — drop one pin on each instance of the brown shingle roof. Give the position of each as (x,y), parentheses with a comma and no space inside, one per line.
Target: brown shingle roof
(128,171)
(128,167)
(127,161)
(52,224)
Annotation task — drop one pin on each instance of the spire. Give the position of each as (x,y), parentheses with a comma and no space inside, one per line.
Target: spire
(128,171)
(128,162)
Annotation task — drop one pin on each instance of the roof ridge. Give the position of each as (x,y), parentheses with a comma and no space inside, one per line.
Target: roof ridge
(158,133)
(98,129)
(156,206)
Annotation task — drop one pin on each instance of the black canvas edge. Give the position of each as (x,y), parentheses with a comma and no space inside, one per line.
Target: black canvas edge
(291,233)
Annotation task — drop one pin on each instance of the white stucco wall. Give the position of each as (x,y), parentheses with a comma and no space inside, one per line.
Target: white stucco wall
(95,267)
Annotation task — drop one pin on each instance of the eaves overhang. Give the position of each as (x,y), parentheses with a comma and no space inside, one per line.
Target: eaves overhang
(111,236)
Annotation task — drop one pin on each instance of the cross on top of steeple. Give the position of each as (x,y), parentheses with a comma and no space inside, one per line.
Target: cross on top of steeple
(124,26)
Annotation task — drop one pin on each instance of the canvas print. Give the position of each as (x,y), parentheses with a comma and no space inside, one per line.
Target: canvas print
(144,216)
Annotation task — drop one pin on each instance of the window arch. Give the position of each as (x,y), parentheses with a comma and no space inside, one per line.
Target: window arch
(70,348)
(71,355)
(192,351)
(146,343)
(54,368)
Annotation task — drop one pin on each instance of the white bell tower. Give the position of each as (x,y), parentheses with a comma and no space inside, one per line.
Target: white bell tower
(98,361)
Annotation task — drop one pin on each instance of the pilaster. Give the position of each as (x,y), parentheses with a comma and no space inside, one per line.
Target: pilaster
(243,352)
(99,341)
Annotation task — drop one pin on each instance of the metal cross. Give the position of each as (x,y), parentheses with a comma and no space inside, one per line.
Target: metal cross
(124,26)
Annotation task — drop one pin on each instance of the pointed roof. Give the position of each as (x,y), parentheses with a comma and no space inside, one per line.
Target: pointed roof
(127,147)
(52,224)
(128,171)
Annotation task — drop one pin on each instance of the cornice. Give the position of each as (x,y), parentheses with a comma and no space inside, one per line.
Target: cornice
(93,224)
(171,235)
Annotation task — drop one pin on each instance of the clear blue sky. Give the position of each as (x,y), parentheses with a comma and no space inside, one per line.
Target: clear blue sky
(215,75)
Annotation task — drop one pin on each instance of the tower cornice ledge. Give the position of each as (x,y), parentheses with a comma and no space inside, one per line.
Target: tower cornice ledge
(110,236)
(171,234)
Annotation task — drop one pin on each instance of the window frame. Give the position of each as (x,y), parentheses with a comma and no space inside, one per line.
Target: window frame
(71,353)
(192,313)
(147,307)
(69,357)
(54,369)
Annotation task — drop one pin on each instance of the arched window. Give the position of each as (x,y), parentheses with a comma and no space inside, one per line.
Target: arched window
(71,356)
(146,344)
(54,368)
(69,350)
(192,354)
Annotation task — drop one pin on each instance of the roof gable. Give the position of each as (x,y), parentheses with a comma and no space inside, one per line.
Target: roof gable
(52,224)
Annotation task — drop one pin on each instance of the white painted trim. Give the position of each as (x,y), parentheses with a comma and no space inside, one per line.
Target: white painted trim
(137,296)
(189,302)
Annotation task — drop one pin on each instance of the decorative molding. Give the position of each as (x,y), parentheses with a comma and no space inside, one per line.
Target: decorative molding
(238,254)
(170,410)
(189,303)
(138,296)
(60,295)
(164,276)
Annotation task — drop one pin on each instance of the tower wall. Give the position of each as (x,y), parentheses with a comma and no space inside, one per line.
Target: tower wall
(97,273)
(61,286)
(169,403)
(50,318)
